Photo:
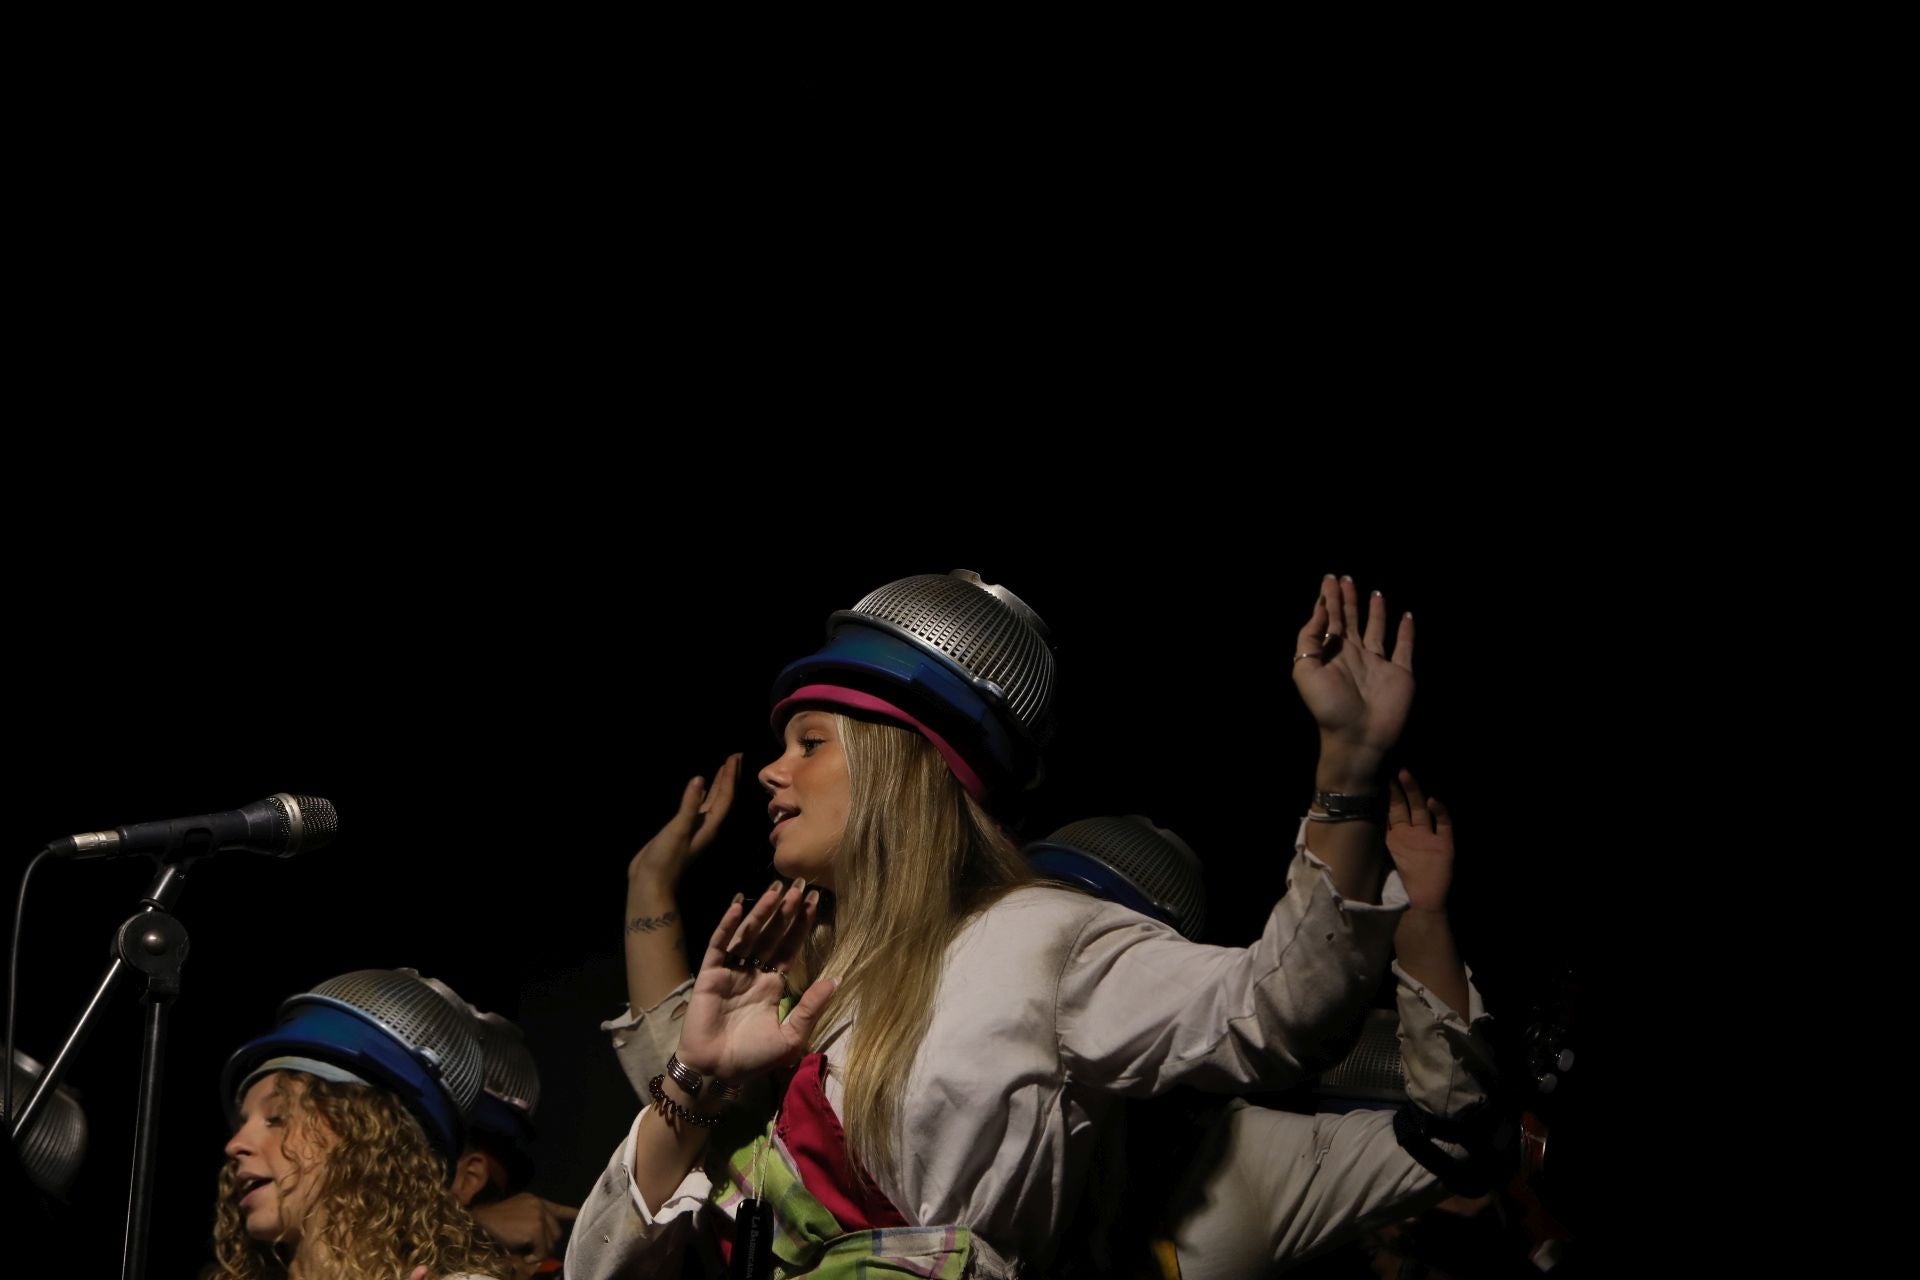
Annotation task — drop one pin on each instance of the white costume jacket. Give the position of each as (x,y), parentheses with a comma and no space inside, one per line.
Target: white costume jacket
(1052,1002)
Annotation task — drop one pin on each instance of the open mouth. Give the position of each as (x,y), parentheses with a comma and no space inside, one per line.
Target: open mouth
(781,815)
(245,1187)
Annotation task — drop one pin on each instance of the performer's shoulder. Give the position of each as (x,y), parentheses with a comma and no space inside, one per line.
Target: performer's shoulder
(1041,906)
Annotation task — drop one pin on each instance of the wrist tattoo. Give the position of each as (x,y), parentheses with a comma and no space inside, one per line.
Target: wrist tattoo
(647,924)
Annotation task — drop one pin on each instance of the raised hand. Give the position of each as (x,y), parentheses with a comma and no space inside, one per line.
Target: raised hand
(661,860)
(1420,841)
(656,955)
(1358,692)
(733,1028)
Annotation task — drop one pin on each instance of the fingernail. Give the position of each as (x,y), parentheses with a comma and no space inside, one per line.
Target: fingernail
(774,887)
(1376,595)
(1346,577)
(739,898)
(1407,614)
(813,897)
(800,883)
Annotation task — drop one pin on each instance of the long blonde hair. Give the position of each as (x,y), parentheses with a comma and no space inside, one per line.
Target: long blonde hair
(381,1207)
(919,857)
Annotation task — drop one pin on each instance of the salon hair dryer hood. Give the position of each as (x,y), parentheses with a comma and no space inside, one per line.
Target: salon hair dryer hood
(967,657)
(390,1028)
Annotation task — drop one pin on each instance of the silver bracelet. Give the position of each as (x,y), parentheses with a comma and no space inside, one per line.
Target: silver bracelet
(693,1082)
(1345,806)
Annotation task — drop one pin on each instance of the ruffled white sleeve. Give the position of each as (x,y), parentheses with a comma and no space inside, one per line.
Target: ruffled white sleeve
(643,1041)
(1140,1009)
(616,1228)
(1269,1188)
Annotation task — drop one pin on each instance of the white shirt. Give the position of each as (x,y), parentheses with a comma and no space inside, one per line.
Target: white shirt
(1051,1000)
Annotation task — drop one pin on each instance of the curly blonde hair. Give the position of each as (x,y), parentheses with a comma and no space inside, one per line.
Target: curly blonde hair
(381,1205)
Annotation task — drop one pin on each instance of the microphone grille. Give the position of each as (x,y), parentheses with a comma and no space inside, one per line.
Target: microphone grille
(307,822)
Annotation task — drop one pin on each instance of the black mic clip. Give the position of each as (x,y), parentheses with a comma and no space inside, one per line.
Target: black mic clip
(155,945)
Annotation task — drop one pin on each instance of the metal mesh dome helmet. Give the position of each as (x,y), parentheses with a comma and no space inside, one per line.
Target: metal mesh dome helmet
(507,1068)
(1372,1070)
(969,663)
(388,1027)
(511,1074)
(1130,861)
(501,1119)
(54,1147)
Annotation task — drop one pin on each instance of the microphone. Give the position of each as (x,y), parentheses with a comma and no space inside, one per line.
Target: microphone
(282,825)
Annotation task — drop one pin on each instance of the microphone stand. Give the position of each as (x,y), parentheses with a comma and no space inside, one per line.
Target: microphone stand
(151,942)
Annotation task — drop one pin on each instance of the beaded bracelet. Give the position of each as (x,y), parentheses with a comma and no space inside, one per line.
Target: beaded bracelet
(673,1110)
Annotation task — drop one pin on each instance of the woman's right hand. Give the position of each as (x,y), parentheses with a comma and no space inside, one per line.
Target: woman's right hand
(733,1030)
(660,862)
(656,953)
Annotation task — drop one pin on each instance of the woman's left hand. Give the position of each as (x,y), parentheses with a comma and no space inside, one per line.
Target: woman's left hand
(1420,841)
(733,1029)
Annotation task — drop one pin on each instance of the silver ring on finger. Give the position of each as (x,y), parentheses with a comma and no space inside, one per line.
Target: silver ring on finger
(1305,653)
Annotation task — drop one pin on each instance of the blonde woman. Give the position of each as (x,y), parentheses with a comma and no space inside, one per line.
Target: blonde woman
(928,1104)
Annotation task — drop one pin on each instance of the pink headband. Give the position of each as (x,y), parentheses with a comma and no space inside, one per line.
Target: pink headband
(834,695)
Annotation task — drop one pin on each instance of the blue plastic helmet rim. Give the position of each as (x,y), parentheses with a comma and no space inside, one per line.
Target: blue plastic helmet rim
(334,1034)
(868,654)
(1063,862)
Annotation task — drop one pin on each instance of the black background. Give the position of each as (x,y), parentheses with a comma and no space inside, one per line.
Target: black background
(503,711)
